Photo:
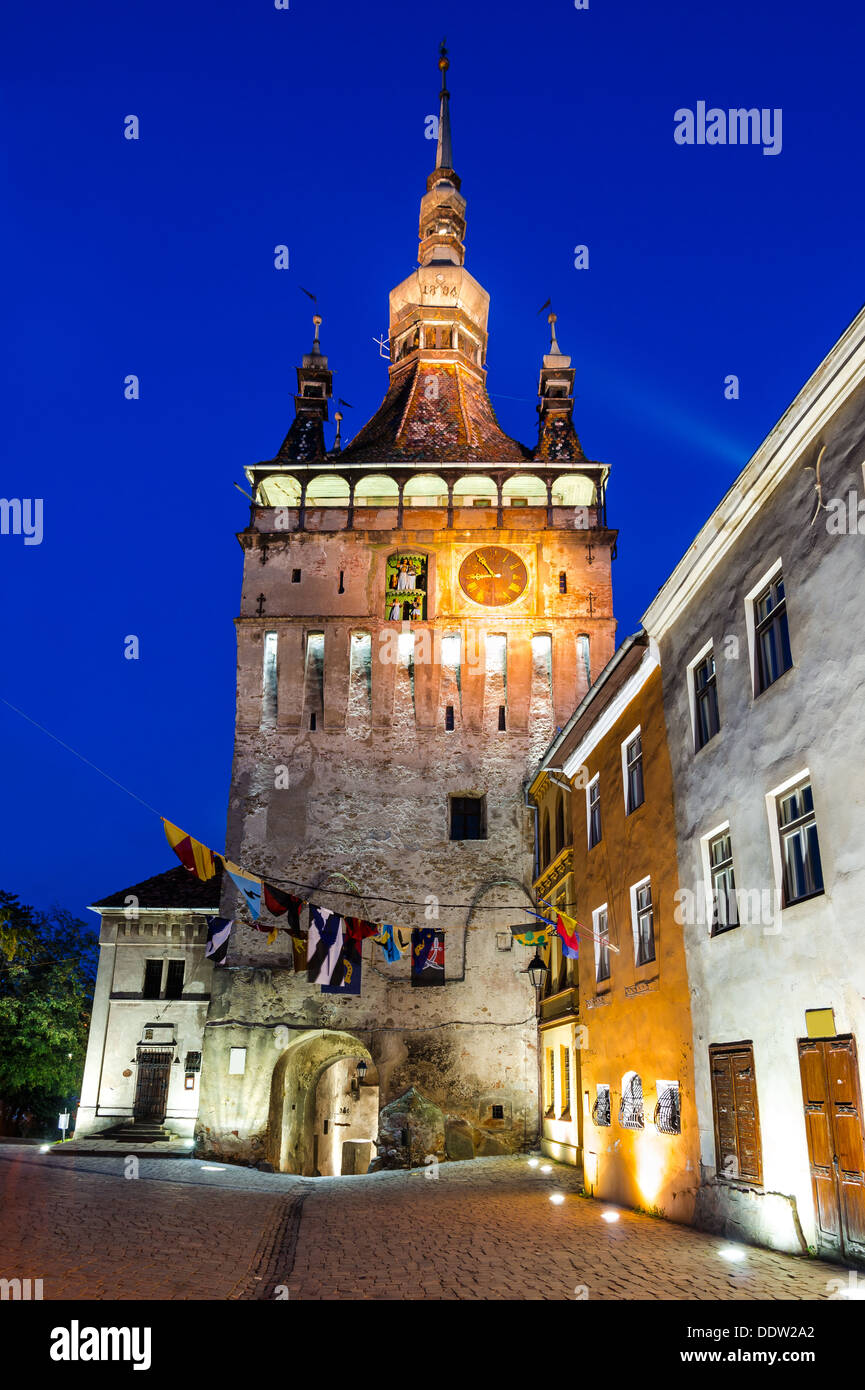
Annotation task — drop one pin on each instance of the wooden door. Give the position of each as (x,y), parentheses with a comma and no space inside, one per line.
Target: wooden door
(151,1090)
(836,1151)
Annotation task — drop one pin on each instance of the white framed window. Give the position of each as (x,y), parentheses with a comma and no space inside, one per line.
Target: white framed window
(643,921)
(601,934)
(703,696)
(768,633)
(593,810)
(722,903)
(632,771)
(795,842)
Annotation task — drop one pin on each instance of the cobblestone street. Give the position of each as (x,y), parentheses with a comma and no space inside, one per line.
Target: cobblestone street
(480,1230)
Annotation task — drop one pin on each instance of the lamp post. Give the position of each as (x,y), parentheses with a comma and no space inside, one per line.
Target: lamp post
(537,970)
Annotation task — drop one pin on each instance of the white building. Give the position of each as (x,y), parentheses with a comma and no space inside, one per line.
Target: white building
(149,1007)
(760,630)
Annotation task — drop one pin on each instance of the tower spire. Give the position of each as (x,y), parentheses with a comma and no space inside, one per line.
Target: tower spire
(444,149)
(442,210)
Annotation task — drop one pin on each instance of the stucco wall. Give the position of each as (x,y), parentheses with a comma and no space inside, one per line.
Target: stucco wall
(756,982)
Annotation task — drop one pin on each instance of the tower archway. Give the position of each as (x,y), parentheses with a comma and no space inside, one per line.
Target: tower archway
(315,1080)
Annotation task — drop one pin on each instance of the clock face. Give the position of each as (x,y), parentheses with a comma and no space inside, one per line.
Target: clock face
(493,576)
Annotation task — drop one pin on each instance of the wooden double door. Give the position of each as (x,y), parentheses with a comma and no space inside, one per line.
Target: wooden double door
(151,1087)
(836,1154)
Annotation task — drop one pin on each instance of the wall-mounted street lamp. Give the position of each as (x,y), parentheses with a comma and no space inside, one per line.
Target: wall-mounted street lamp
(537,970)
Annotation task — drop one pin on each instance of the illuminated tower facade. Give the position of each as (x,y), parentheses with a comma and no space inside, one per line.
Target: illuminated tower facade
(421,608)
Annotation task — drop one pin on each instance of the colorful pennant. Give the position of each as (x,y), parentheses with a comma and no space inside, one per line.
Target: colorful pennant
(193,855)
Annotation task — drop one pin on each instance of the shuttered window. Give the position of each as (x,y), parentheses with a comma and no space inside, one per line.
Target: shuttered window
(738,1150)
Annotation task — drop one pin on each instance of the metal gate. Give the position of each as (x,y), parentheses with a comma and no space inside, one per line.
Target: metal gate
(151,1090)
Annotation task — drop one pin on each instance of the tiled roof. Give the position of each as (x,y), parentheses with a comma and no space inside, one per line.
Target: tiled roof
(304,442)
(436,413)
(559,441)
(176,888)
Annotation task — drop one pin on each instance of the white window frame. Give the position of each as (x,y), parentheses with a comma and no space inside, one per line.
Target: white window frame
(590,784)
(706,860)
(604,907)
(750,624)
(635,887)
(624,750)
(692,694)
(772,798)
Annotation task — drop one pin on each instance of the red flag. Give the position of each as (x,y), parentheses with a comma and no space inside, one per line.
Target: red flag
(277,901)
(358,929)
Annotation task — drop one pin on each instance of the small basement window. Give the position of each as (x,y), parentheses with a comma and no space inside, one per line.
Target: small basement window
(295,576)
(468,818)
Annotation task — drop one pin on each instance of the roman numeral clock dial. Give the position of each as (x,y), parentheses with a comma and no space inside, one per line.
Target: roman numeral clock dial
(493,576)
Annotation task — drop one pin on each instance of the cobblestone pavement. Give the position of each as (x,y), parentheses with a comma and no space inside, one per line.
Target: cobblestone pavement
(480,1230)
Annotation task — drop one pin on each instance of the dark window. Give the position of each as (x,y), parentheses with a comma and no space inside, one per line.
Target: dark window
(449,717)
(771,635)
(668,1111)
(295,576)
(738,1151)
(634,774)
(800,848)
(595,812)
(560,824)
(502,724)
(631,1108)
(312,719)
(498,1112)
(645,925)
(545,843)
(725,910)
(193,1061)
(706,716)
(601,1108)
(467,818)
(174,979)
(563,581)
(152,979)
(341,589)
(602,930)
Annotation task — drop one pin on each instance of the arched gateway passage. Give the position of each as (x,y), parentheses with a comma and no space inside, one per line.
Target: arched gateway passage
(322,1120)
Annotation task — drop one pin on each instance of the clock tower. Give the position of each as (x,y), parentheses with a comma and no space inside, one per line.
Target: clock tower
(421,608)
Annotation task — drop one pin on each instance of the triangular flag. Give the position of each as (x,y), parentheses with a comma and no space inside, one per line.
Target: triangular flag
(218,932)
(249,886)
(193,855)
(277,901)
(358,930)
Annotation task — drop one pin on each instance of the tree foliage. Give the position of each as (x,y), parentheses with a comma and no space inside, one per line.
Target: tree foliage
(47,972)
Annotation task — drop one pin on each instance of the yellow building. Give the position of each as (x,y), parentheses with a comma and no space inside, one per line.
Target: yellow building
(616,1042)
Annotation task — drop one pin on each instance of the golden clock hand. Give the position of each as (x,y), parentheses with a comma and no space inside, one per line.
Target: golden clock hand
(483,562)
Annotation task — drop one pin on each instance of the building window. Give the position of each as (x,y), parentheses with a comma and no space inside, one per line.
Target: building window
(563,581)
(602,944)
(468,818)
(193,1061)
(565,1064)
(631,1108)
(295,576)
(601,1107)
(341,589)
(560,824)
(498,1112)
(738,1150)
(644,923)
(772,655)
(583,653)
(632,763)
(800,849)
(725,910)
(668,1111)
(313,719)
(269,680)
(189,1081)
(502,713)
(152,979)
(174,979)
(551,1082)
(706,718)
(593,798)
(449,718)
(545,842)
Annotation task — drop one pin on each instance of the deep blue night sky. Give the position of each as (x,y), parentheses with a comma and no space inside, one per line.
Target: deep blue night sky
(306,127)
